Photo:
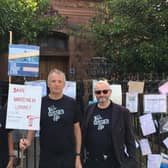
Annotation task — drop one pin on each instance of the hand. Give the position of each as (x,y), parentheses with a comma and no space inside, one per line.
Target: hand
(24,143)
(78,162)
(10,163)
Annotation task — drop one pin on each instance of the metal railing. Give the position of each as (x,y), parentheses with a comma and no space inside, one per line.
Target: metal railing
(84,93)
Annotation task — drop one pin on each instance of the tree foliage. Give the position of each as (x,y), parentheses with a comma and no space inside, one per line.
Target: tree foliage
(133,34)
(27,19)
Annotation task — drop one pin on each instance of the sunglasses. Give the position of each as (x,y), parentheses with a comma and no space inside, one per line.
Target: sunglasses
(101,91)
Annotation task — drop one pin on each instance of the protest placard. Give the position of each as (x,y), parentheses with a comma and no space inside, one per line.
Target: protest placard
(24,105)
(23,60)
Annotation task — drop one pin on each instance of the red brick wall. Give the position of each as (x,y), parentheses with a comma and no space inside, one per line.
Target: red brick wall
(77,12)
(80,53)
(80,50)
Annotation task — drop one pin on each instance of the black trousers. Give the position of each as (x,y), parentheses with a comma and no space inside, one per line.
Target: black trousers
(3,162)
(61,161)
(100,162)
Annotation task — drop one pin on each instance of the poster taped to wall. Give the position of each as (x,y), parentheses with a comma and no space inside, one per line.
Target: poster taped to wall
(155,103)
(132,102)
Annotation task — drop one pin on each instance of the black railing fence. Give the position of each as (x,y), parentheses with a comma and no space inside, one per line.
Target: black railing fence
(84,94)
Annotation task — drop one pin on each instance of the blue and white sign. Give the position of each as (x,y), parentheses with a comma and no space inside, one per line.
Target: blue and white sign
(23,60)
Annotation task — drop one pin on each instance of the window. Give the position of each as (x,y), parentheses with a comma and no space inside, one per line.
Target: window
(55,40)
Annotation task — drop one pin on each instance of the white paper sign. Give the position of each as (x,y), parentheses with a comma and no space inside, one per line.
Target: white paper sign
(41,83)
(145,147)
(153,161)
(24,106)
(164,88)
(165,141)
(70,89)
(132,102)
(155,103)
(93,87)
(147,124)
(116,95)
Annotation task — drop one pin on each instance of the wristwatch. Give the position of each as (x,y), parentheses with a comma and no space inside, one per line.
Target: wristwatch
(77,154)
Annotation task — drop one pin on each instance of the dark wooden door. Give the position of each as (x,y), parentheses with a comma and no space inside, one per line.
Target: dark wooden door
(50,62)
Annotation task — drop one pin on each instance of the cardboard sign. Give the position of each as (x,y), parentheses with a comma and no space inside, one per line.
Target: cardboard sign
(135,87)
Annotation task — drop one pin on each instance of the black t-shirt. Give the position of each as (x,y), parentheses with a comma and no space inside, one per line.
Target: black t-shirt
(99,131)
(3,139)
(56,127)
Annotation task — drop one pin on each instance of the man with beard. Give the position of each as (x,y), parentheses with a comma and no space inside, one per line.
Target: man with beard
(108,136)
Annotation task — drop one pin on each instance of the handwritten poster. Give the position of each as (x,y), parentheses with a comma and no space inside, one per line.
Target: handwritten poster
(135,87)
(24,105)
